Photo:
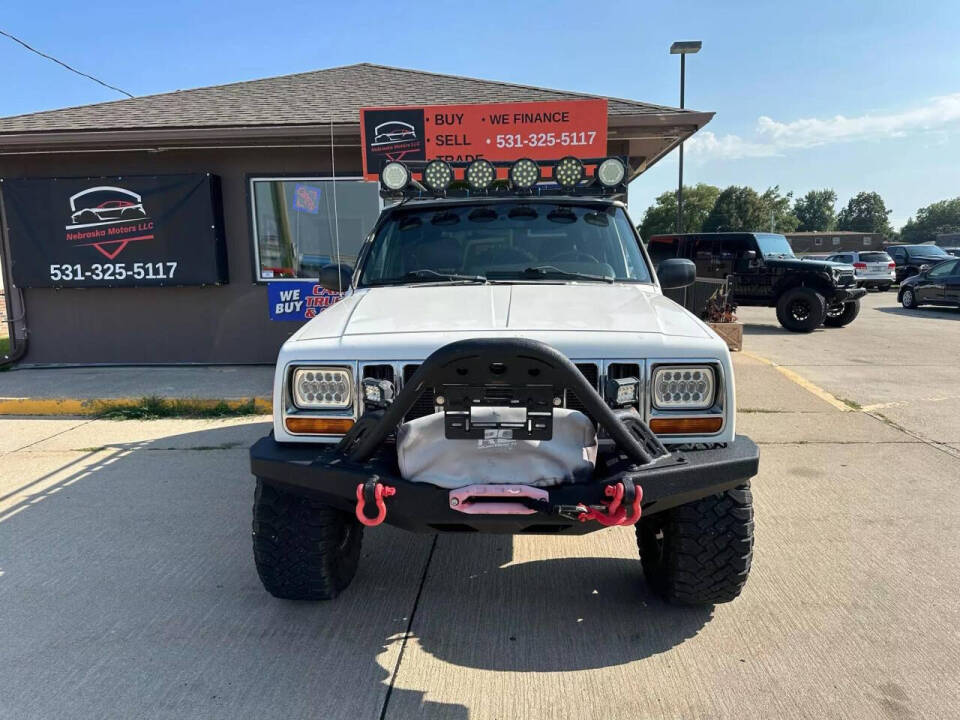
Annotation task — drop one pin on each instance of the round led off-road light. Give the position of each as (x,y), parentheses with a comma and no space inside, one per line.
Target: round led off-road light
(437,175)
(611,172)
(480,174)
(568,172)
(524,173)
(394,176)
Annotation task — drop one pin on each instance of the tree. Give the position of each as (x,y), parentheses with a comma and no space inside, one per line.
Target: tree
(816,210)
(741,208)
(775,211)
(932,220)
(867,213)
(736,208)
(661,217)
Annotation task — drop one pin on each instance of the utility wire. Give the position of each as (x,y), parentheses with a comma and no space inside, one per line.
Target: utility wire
(60,62)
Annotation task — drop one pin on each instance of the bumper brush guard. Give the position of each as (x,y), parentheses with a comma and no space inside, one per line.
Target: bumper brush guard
(513,373)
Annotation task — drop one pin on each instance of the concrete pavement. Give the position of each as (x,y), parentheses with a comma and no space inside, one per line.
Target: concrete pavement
(127,586)
(89,390)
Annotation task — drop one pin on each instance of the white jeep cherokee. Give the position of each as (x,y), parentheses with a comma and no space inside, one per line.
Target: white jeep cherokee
(503,360)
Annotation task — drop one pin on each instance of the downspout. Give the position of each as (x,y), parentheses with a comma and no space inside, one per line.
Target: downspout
(19,347)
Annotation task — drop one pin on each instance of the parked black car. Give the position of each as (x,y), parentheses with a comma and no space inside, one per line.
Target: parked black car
(939,285)
(806,294)
(909,259)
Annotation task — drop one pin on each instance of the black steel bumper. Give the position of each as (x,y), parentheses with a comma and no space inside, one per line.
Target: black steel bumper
(845,295)
(515,373)
(323,473)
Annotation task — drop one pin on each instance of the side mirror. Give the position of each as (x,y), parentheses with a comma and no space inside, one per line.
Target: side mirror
(676,273)
(335,277)
(749,255)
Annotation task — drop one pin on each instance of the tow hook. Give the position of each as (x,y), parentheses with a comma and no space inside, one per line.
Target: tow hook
(373,492)
(623,496)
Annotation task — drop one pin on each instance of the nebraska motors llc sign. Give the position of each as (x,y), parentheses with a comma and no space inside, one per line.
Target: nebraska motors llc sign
(129,231)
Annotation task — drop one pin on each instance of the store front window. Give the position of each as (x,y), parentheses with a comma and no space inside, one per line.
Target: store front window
(302,224)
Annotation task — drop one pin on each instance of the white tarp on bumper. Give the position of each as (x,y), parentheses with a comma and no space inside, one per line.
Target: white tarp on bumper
(426,455)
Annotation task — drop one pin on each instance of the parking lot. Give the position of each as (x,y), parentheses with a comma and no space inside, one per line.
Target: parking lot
(127,586)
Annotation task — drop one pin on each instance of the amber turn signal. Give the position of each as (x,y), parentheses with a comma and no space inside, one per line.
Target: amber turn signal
(686,425)
(319,426)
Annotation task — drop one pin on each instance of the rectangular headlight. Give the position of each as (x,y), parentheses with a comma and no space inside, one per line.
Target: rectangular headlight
(683,387)
(322,388)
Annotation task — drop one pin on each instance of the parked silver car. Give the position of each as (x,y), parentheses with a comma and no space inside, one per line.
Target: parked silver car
(872,268)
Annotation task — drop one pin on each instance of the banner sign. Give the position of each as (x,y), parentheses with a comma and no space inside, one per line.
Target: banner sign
(501,131)
(298,300)
(130,231)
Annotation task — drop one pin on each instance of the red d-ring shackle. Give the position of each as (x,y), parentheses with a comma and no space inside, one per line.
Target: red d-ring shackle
(380,492)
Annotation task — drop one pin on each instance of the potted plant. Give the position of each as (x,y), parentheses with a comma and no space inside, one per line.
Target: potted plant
(720,314)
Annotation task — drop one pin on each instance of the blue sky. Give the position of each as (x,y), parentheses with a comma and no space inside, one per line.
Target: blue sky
(850,95)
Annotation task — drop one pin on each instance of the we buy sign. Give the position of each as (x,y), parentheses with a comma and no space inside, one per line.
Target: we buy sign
(497,132)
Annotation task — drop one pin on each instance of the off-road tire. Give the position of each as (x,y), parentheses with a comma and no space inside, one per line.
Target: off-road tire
(845,316)
(796,299)
(908,298)
(699,553)
(303,548)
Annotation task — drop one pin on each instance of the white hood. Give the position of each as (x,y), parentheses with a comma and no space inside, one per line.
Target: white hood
(543,307)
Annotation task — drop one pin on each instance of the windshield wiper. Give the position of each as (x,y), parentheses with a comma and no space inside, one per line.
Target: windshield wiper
(428,274)
(541,270)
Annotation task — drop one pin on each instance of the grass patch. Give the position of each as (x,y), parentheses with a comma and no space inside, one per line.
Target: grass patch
(853,404)
(4,346)
(154,408)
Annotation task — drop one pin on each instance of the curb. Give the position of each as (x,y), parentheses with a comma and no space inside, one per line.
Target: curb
(94,406)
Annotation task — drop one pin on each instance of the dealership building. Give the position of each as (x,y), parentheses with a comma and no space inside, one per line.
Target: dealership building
(150,230)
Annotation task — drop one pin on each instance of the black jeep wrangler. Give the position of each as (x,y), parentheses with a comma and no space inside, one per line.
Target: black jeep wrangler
(765,272)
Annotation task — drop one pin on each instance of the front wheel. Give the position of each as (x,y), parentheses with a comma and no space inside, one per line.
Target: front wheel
(842,314)
(801,309)
(908,299)
(303,549)
(699,553)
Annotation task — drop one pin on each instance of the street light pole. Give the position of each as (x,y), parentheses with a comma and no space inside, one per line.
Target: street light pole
(683,48)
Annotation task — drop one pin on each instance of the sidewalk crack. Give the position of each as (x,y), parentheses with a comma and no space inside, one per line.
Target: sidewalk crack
(407,632)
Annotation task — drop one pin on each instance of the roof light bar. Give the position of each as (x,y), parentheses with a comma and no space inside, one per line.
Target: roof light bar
(567,176)
(437,176)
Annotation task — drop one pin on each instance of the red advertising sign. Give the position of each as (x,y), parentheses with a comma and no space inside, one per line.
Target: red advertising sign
(502,131)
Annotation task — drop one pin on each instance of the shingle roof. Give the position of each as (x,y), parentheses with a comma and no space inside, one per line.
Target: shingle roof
(310,98)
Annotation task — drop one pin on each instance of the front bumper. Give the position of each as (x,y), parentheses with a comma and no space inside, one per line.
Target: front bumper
(517,373)
(845,295)
(322,472)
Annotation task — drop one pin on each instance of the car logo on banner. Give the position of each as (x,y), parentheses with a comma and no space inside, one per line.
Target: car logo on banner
(108,218)
(393,134)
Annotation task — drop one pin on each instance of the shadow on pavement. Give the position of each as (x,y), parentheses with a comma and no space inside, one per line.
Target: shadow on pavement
(927,311)
(128,589)
(758,329)
(544,615)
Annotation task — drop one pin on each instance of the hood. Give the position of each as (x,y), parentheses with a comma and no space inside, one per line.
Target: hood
(809,265)
(521,308)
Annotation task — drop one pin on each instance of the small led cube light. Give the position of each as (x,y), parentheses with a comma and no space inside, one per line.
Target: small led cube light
(623,392)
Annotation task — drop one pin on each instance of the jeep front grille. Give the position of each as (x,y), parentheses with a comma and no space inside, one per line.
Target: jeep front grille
(425,405)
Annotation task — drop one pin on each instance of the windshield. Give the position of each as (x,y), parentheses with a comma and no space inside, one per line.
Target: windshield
(774,245)
(926,250)
(505,241)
